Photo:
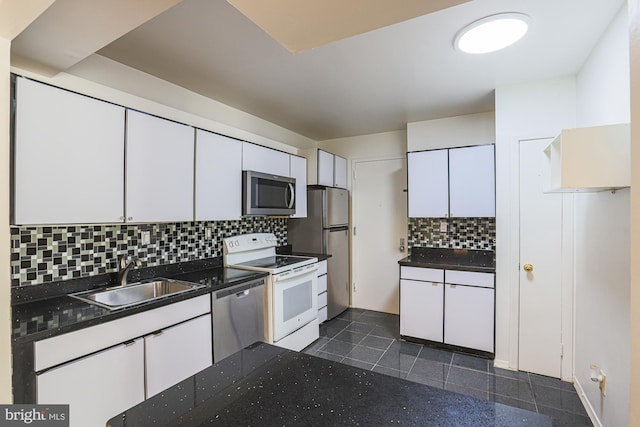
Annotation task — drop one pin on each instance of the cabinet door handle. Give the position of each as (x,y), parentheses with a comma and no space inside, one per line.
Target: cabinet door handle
(129,343)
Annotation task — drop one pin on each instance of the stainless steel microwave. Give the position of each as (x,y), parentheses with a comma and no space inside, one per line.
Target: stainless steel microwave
(267,194)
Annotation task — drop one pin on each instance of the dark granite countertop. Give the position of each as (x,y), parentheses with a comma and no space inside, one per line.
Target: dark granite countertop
(37,319)
(451,259)
(265,385)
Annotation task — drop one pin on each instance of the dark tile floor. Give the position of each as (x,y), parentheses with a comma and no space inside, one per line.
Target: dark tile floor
(370,340)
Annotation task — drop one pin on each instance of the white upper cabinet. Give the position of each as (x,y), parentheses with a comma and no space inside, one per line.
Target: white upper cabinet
(456,182)
(218,177)
(325,168)
(472,182)
(339,171)
(266,160)
(428,184)
(69,157)
(298,168)
(159,169)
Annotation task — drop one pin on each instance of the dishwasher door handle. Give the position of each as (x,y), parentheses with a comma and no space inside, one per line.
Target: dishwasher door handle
(243,293)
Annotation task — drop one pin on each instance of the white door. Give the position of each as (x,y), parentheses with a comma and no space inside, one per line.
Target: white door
(540,335)
(380,221)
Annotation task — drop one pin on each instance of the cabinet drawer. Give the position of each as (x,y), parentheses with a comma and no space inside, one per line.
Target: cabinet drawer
(322,299)
(322,284)
(322,267)
(322,314)
(473,278)
(424,274)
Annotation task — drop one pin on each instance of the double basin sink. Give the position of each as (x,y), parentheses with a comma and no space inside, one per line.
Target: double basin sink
(135,293)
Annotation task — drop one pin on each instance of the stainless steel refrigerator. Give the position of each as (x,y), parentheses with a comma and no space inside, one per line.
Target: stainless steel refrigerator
(325,230)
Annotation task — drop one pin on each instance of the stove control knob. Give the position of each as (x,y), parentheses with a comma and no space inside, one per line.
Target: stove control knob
(237,243)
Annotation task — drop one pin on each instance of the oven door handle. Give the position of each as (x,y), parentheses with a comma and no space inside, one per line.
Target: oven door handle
(294,274)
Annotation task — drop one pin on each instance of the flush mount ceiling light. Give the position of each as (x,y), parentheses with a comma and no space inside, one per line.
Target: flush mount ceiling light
(492,33)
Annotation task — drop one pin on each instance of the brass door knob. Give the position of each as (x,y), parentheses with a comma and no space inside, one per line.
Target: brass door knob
(528,268)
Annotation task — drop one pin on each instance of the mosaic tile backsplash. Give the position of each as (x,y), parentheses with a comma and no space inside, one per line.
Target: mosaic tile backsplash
(462,233)
(49,254)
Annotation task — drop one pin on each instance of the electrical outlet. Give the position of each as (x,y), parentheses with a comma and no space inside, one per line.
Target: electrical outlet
(207,233)
(145,237)
(443,226)
(603,383)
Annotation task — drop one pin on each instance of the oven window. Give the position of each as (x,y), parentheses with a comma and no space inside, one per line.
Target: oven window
(297,300)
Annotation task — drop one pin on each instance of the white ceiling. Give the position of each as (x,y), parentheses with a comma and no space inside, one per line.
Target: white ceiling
(369,83)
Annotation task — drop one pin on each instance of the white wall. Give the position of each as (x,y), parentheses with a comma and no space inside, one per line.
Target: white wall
(533,110)
(602,239)
(459,131)
(5,274)
(634,301)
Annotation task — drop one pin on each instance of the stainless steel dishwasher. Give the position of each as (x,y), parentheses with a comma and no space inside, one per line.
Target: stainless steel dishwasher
(238,317)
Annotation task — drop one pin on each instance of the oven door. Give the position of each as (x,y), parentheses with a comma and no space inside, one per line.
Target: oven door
(295,300)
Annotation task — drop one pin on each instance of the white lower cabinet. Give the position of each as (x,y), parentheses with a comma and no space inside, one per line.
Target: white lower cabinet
(176,353)
(98,386)
(421,309)
(468,317)
(105,369)
(452,307)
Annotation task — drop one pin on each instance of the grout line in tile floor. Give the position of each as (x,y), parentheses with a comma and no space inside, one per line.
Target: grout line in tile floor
(502,386)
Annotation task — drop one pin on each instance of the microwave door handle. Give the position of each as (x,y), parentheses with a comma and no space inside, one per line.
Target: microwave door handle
(293,196)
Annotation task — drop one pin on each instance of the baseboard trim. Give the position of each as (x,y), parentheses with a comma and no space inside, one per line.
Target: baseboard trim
(502,364)
(587,405)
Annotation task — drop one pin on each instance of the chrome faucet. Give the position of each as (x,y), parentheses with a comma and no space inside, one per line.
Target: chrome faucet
(124,267)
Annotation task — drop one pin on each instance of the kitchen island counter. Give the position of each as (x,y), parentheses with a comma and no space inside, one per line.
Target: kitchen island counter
(264,385)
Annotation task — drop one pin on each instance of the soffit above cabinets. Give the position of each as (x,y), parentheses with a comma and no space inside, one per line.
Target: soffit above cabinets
(70,30)
(300,25)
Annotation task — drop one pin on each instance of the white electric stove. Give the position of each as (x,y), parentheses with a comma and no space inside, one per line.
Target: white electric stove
(292,298)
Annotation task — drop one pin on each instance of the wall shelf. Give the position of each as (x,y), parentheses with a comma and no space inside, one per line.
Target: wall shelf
(589,159)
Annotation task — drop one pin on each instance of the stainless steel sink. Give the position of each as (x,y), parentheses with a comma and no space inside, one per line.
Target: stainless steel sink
(135,293)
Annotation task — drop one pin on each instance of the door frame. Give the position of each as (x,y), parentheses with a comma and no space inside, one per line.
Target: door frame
(512,242)
(354,183)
